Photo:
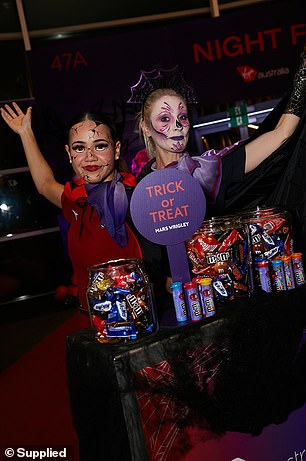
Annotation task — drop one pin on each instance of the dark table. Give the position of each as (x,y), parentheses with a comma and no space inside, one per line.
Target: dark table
(240,370)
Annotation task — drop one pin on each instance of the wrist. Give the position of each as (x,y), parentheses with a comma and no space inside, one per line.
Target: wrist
(27,132)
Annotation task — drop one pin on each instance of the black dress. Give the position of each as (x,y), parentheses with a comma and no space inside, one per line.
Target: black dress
(280,180)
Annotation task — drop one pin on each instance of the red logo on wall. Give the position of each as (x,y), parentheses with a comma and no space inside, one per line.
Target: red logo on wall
(247,73)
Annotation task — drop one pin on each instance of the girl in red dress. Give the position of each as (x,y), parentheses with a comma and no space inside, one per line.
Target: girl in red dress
(96,203)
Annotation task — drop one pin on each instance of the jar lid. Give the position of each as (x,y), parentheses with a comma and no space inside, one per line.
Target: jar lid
(205,281)
(190,285)
(176,285)
(277,262)
(263,263)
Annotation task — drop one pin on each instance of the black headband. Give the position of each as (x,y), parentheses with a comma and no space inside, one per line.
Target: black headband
(155,79)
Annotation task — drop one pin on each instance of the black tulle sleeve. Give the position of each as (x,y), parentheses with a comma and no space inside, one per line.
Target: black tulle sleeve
(280,180)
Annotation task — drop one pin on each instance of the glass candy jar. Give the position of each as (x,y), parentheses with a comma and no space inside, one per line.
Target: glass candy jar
(271,236)
(220,249)
(270,231)
(120,301)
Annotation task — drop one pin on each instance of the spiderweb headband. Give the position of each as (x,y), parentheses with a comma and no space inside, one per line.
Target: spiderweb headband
(155,79)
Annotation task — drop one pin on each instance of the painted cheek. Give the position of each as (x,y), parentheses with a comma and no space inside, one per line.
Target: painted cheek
(164,128)
(160,129)
(75,159)
(161,126)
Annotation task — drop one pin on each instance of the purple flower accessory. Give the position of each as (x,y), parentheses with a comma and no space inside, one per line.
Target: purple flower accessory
(206,169)
(155,79)
(110,200)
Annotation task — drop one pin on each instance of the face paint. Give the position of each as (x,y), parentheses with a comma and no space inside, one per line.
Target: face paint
(169,124)
(92,151)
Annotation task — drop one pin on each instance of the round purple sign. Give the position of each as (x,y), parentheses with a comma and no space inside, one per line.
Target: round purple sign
(168,206)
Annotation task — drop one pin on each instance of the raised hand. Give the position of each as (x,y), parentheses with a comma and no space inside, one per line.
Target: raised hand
(15,118)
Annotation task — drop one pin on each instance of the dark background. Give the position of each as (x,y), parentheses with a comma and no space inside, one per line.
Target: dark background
(74,56)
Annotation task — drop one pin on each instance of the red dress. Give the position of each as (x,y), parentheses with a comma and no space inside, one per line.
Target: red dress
(89,242)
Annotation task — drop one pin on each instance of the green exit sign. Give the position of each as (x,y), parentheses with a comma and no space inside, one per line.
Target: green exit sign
(238,115)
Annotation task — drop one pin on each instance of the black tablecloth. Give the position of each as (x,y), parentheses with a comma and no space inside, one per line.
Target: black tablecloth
(241,370)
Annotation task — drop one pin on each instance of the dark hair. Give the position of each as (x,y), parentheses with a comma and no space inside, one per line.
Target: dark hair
(98,118)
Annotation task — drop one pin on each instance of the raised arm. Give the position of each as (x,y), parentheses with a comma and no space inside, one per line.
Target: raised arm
(41,172)
(263,146)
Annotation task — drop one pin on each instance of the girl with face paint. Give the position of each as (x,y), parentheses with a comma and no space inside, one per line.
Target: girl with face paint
(248,174)
(95,203)
(165,125)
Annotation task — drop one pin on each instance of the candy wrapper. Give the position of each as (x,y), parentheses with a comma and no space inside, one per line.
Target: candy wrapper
(270,234)
(220,249)
(120,301)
